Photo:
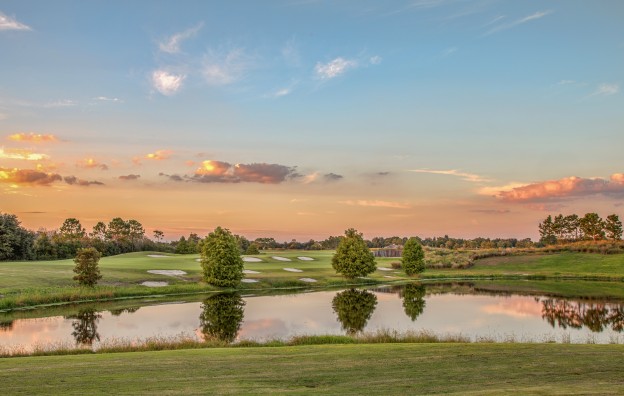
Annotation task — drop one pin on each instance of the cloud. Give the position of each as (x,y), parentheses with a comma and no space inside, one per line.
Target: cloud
(129,177)
(21,154)
(225,69)
(90,163)
(176,178)
(471,177)
(28,177)
(167,83)
(449,51)
(172,43)
(107,99)
(517,22)
(32,138)
(377,203)
(332,177)
(73,180)
(375,60)
(491,211)
(564,188)
(224,172)
(566,82)
(60,103)
(334,68)
(8,23)
(159,155)
(606,90)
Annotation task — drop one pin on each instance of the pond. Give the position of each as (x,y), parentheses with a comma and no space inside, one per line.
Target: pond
(444,309)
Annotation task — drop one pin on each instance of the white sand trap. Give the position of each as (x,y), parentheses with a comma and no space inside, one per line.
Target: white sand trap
(303,258)
(155,284)
(252,260)
(308,280)
(278,258)
(156,255)
(384,269)
(198,260)
(167,272)
(248,280)
(390,276)
(292,270)
(250,272)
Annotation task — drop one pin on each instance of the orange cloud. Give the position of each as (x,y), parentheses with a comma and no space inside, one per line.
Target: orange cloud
(33,138)
(28,176)
(21,154)
(224,172)
(376,203)
(90,163)
(214,168)
(562,188)
(159,155)
(129,177)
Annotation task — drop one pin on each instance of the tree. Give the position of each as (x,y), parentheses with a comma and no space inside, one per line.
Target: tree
(252,249)
(87,270)
(16,242)
(613,227)
(136,232)
(72,229)
(413,257)
(99,231)
(159,235)
(572,227)
(414,300)
(220,259)
(547,235)
(221,317)
(118,229)
(354,308)
(592,226)
(352,257)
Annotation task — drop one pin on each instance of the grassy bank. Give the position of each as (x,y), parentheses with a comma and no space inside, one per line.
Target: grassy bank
(24,284)
(353,369)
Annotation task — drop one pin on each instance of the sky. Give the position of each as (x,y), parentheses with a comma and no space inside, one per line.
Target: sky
(298,119)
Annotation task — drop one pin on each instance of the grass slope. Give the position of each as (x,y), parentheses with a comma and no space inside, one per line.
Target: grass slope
(328,369)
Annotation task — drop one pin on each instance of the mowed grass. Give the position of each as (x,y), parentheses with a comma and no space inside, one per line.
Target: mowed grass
(388,369)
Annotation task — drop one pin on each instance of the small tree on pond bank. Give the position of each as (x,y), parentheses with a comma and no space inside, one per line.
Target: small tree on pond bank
(413,257)
(220,259)
(87,270)
(352,257)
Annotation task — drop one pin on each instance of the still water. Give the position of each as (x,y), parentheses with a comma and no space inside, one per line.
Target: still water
(442,309)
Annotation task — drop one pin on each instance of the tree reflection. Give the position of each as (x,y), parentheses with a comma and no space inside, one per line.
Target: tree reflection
(6,326)
(576,314)
(221,317)
(414,300)
(85,326)
(118,312)
(354,308)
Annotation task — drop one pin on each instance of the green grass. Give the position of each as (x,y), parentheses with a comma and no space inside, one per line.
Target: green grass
(478,369)
(32,283)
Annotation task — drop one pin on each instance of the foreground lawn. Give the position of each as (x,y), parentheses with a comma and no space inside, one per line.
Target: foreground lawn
(552,369)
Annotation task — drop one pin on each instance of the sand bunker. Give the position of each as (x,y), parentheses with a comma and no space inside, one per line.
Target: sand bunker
(156,255)
(390,276)
(278,258)
(303,258)
(308,280)
(384,269)
(292,270)
(167,272)
(250,272)
(252,259)
(155,284)
(248,280)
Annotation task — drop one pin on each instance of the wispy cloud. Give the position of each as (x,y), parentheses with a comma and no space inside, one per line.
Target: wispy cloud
(471,177)
(159,155)
(376,203)
(30,177)
(129,177)
(8,23)
(375,60)
(227,68)
(31,137)
(90,163)
(505,26)
(334,68)
(172,43)
(606,90)
(167,83)
(107,99)
(60,103)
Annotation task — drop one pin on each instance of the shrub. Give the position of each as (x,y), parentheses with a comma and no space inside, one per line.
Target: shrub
(87,270)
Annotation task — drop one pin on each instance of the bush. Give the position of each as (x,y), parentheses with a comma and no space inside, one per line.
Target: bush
(87,270)
(413,257)
(353,258)
(220,259)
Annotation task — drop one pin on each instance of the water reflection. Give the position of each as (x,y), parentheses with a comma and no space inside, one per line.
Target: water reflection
(6,326)
(414,300)
(221,317)
(85,326)
(118,312)
(354,308)
(576,314)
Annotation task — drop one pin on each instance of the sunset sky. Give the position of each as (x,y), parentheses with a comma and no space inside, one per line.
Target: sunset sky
(301,118)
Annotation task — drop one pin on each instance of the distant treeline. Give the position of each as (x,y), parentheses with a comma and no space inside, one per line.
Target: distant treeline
(124,236)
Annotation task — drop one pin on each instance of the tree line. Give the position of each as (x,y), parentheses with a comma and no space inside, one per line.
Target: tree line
(572,228)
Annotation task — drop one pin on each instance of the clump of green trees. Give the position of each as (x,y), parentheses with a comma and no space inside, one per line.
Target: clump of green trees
(572,228)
